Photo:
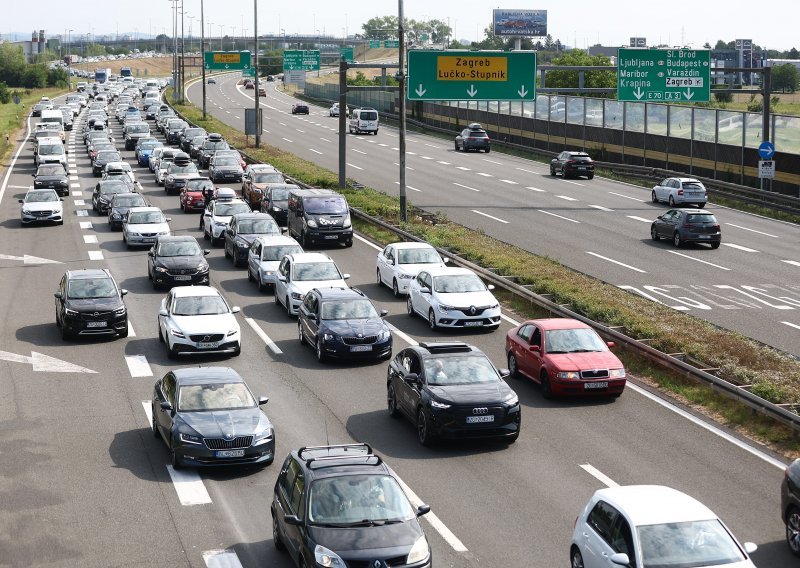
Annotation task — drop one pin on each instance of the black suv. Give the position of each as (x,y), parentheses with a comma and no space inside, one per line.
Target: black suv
(473,137)
(89,302)
(177,260)
(572,164)
(213,143)
(452,390)
(790,506)
(120,204)
(343,323)
(243,229)
(343,506)
(104,192)
(52,176)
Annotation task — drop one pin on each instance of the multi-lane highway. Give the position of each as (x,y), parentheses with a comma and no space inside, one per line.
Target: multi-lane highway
(600,227)
(84,483)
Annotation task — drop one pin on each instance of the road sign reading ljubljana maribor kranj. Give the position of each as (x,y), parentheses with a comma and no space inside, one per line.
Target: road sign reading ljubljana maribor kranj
(301,60)
(231,60)
(471,75)
(664,75)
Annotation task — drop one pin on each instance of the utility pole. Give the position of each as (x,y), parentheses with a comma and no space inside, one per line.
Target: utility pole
(402,82)
(174,50)
(203,54)
(255,67)
(182,77)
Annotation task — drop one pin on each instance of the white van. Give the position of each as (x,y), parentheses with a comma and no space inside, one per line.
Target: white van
(364,120)
(50,151)
(54,116)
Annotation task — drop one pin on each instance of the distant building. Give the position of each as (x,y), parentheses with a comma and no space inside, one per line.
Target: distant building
(32,48)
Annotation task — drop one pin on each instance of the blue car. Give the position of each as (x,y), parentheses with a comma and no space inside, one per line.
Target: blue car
(144,148)
(342,323)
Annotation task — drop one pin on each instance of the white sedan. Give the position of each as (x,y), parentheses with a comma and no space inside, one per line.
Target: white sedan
(399,263)
(197,319)
(298,273)
(143,225)
(265,255)
(41,205)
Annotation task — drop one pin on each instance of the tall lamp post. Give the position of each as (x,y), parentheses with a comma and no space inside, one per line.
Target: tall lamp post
(203,54)
(402,84)
(69,61)
(174,49)
(255,68)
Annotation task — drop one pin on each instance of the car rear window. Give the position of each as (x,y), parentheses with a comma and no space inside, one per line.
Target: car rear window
(477,134)
(692,185)
(701,218)
(369,116)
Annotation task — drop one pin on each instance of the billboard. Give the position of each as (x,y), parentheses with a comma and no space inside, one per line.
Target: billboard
(520,23)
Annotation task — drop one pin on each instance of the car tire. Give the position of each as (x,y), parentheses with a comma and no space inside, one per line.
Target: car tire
(391,401)
(409,306)
(250,275)
(488,150)
(348,243)
(320,354)
(715,245)
(456,146)
(225,246)
(423,431)
(575,558)
(395,288)
(65,334)
(793,530)
(671,201)
(547,390)
(653,197)
(654,233)
(676,240)
(288,307)
(276,535)
(154,423)
(237,351)
(590,176)
(175,461)
(701,205)
(171,353)
(513,369)
(552,171)
(300,336)
(123,334)
(378,277)
(432,320)
(261,286)
(160,335)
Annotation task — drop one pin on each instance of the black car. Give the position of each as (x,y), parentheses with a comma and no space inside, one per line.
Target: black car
(211,81)
(150,112)
(684,226)
(89,302)
(177,260)
(120,204)
(209,417)
(473,137)
(275,201)
(300,108)
(174,130)
(452,390)
(105,190)
(102,159)
(213,143)
(343,506)
(226,169)
(52,176)
(133,132)
(196,145)
(790,506)
(188,134)
(572,164)
(343,323)
(242,230)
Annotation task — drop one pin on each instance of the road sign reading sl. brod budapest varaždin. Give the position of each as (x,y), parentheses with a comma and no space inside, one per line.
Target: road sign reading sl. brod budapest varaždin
(471,75)
(301,60)
(663,75)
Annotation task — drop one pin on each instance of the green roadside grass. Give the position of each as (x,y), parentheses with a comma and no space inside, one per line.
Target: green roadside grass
(12,118)
(773,375)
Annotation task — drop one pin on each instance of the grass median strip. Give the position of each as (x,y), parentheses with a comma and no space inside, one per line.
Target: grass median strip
(771,374)
(13,116)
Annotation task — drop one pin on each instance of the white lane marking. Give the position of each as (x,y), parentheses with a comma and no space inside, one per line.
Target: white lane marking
(402,335)
(432,145)
(462,168)
(131,333)
(628,197)
(20,187)
(354,166)
(228,111)
(383,145)
(559,216)
(739,247)
(572,182)
(435,522)
(303,131)
(527,171)
(512,321)
(426,157)
(324,139)
(489,216)
(697,259)
(221,559)
(72,171)
(412,188)
(96,255)
(148,410)
(790,324)
(77,193)
(80,202)
(642,219)
(492,161)
(465,186)
(407,167)
(82,213)
(189,487)
(264,337)
(566,197)
(617,262)
(138,366)
(484,174)
(411,153)
(287,140)
(601,208)
(86,225)
(90,239)
(73,178)
(366,242)
(599,475)
(395,149)
(359,151)
(509,181)
(237,117)
(536,189)
(793,262)
(752,230)
(74,185)
(315,151)
(443,163)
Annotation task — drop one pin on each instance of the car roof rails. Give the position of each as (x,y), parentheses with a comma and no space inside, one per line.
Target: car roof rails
(446,347)
(360,451)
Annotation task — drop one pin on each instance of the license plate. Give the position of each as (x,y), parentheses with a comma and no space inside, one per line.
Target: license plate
(209,345)
(602,385)
(96,323)
(331,236)
(473,323)
(704,236)
(148,240)
(581,167)
(229,453)
(183,277)
(361,348)
(479,419)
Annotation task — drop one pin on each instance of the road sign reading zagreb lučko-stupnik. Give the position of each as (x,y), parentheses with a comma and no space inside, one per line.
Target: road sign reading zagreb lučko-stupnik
(230,60)
(659,75)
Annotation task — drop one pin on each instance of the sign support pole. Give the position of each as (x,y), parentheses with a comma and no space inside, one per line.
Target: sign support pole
(255,68)
(342,122)
(402,81)
(203,50)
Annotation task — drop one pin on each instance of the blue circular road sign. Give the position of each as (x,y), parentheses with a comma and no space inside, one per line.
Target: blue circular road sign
(16,100)
(766,150)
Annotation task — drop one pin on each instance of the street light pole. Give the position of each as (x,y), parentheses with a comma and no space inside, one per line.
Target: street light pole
(183,52)
(402,82)
(69,61)
(174,50)
(203,53)
(255,68)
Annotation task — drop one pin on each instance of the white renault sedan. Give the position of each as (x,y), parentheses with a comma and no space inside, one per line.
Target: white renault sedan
(301,272)
(197,319)
(143,225)
(399,263)
(653,525)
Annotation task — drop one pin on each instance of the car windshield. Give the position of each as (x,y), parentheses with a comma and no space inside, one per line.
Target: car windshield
(277,252)
(226,162)
(325,205)
(581,340)
(279,194)
(129,201)
(456,283)
(51,150)
(215,145)
(138,128)
(199,306)
(145,218)
(179,248)
(227,209)
(109,156)
(113,187)
(701,218)
(88,288)
(54,170)
(418,256)
(197,140)
(476,134)
(187,169)
(177,126)
(348,309)
(309,271)
(460,370)
(107,147)
(687,544)
(226,396)
(40,196)
(269,177)
(259,227)
(353,500)
(149,144)
(199,184)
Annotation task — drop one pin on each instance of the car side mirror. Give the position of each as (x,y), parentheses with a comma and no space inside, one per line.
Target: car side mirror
(534,348)
(750,547)
(66,150)
(446,259)
(490,287)
(345,276)
(424,290)
(411,378)
(611,344)
(58,295)
(151,253)
(20,200)
(504,373)
(384,313)
(123,292)
(33,175)
(292,520)
(206,252)
(163,312)
(169,219)
(262,400)
(423,510)
(165,405)
(282,278)
(284,229)
(236,309)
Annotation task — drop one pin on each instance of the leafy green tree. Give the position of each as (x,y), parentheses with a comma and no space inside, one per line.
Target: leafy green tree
(5,93)
(785,78)
(34,76)
(565,79)
(380,27)
(793,54)
(57,77)
(12,64)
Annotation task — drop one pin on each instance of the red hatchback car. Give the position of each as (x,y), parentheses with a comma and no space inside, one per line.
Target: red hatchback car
(566,357)
(191,198)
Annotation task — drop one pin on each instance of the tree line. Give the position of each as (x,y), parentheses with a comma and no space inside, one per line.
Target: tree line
(15,72)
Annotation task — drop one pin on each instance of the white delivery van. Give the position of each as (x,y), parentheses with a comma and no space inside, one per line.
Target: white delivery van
(364,120)
(54,116)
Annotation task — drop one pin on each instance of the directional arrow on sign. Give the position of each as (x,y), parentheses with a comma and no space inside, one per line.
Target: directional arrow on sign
(638,93)
(689,94)
(420,90)
(42,362)
(472,91)
(28,259)
(522,92)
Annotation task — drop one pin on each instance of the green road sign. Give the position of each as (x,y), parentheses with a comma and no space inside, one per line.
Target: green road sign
(663,75)
(423,37)
(221,60)
(374,43)
(346,53)
(301,60)
(471,75)
(248,73)
(391,43)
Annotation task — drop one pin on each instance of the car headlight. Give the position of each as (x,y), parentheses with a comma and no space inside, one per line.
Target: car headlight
(616,373)
(312,223)
(25,211)
(326,557)
(170,179)
(328,337)
(242,244)
(190,439)
(512,400)
(419,552)
(130,234)
(384,335)
(203,267)
(177,333)
(220,223)
(120,311)
(164,233)
(234,331)
(116,215)
(297,296)
(263,435)
(574,375)
(161,269)
(445,308)
(276,209)
(437,404)
(70,312)
(346,223)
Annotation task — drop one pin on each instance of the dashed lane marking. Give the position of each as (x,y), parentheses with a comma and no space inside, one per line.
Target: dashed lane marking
(617,262)
(465,186)
(642,219)
(80,202)
(138,366)
(221,559)
(354,166)
(411,187)
(559,216)
(600,207)
(490,216)
(739,247)
(628,197)
(790,324)
(264,337)
(566,197)
(86,225)
(752,230)
(90,239)
(96,255)
(536,189)
(698,260)
(599,475)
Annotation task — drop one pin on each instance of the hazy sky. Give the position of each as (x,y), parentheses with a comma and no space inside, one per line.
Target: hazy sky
(576,22)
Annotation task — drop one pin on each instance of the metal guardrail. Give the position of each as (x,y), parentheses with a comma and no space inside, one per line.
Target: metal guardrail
(638,346)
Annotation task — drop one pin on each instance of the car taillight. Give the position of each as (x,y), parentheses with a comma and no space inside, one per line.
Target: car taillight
(471,138)
(688,225)
(570,161)
(715,227)
(680,192)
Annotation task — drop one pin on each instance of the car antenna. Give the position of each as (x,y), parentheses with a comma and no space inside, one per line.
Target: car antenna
(327,440)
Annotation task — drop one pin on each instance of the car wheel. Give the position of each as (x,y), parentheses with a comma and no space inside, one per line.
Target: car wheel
(320,354)
(409,306)
(671,201)
(715,245)
(391,402)
(206,236)
(653,197)
(432,321)
(160,335)
(171,353)
(455,144)
(552,171)
(676,239)
(488,150)
(300,335)
(277,299)
(250,275)
(276,535)
(261,286)
(348,243)
(423,432)
(793,531)
(227,254)
(512,366)
(701,205)
(303,240)
(237,351)
(65,334)
(547,390)
(575,558)
(154,423)
(395,289)
(175,460)
(288,307)
(654,233)
(124,333)
(378,277)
